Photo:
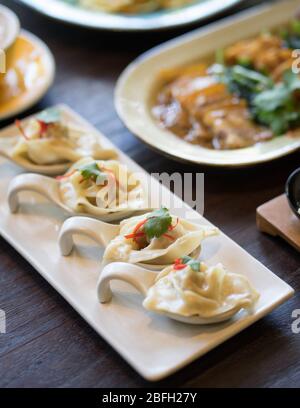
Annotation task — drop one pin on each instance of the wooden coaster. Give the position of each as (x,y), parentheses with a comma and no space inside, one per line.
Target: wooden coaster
(277,219)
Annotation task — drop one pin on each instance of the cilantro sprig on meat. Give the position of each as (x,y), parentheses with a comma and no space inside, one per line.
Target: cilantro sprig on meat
(276,106)
(242,81)
(291,35)
(279,107)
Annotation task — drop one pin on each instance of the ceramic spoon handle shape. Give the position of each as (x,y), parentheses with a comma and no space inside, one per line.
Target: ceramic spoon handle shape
(43,185)
(99,231)
(142,279)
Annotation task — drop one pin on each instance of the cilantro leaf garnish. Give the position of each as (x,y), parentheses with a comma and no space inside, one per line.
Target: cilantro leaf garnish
(242,81)
(91,171)
(192,263)
(291,80)
(51,115)
(186,259)
(295,27)
(157,223)
(291,35)
(276,106)
(279,107)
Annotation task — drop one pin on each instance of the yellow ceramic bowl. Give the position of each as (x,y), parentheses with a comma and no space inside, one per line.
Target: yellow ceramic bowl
(30,70)
(9,27)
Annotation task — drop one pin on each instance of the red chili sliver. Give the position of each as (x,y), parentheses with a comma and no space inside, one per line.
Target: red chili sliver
(64,176)
(179,267)
(137,228)
(172,227)
(20,127)
(139,225)
(43,127)
(109,171)
(135,235)
(169,236)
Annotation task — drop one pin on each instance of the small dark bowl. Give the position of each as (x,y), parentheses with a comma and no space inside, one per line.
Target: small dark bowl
(292,190)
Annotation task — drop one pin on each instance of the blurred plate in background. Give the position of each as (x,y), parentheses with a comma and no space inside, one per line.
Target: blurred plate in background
(65,11)
(30,70)
(9,27)
(134,103)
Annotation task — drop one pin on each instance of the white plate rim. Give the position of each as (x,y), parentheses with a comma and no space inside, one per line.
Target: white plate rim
(14,25)
(116,22)
(121,101)
(50,69)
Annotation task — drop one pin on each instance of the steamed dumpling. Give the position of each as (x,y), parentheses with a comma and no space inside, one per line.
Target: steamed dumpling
(156,238)
(97,187)
(47,139)
(190,288)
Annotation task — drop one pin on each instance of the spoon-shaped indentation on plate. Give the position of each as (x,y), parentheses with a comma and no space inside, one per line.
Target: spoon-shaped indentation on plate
(99,231)
(49,188)
(36,183)
(143,279)
(293,192)
(10,26)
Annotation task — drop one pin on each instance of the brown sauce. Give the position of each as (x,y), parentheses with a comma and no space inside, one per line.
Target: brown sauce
(195,106)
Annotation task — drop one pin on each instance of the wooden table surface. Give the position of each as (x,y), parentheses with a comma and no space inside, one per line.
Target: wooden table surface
(47,344)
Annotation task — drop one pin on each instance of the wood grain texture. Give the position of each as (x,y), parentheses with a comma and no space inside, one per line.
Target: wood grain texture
(47,343)
(277,219)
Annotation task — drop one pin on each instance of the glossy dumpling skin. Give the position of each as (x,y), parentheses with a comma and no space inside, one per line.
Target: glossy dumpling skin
(57,143)
(184,239)
(117,189)
(208,293)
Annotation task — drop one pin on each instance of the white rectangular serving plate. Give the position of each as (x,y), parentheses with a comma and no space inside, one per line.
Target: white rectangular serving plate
(133,103)
(154,345)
